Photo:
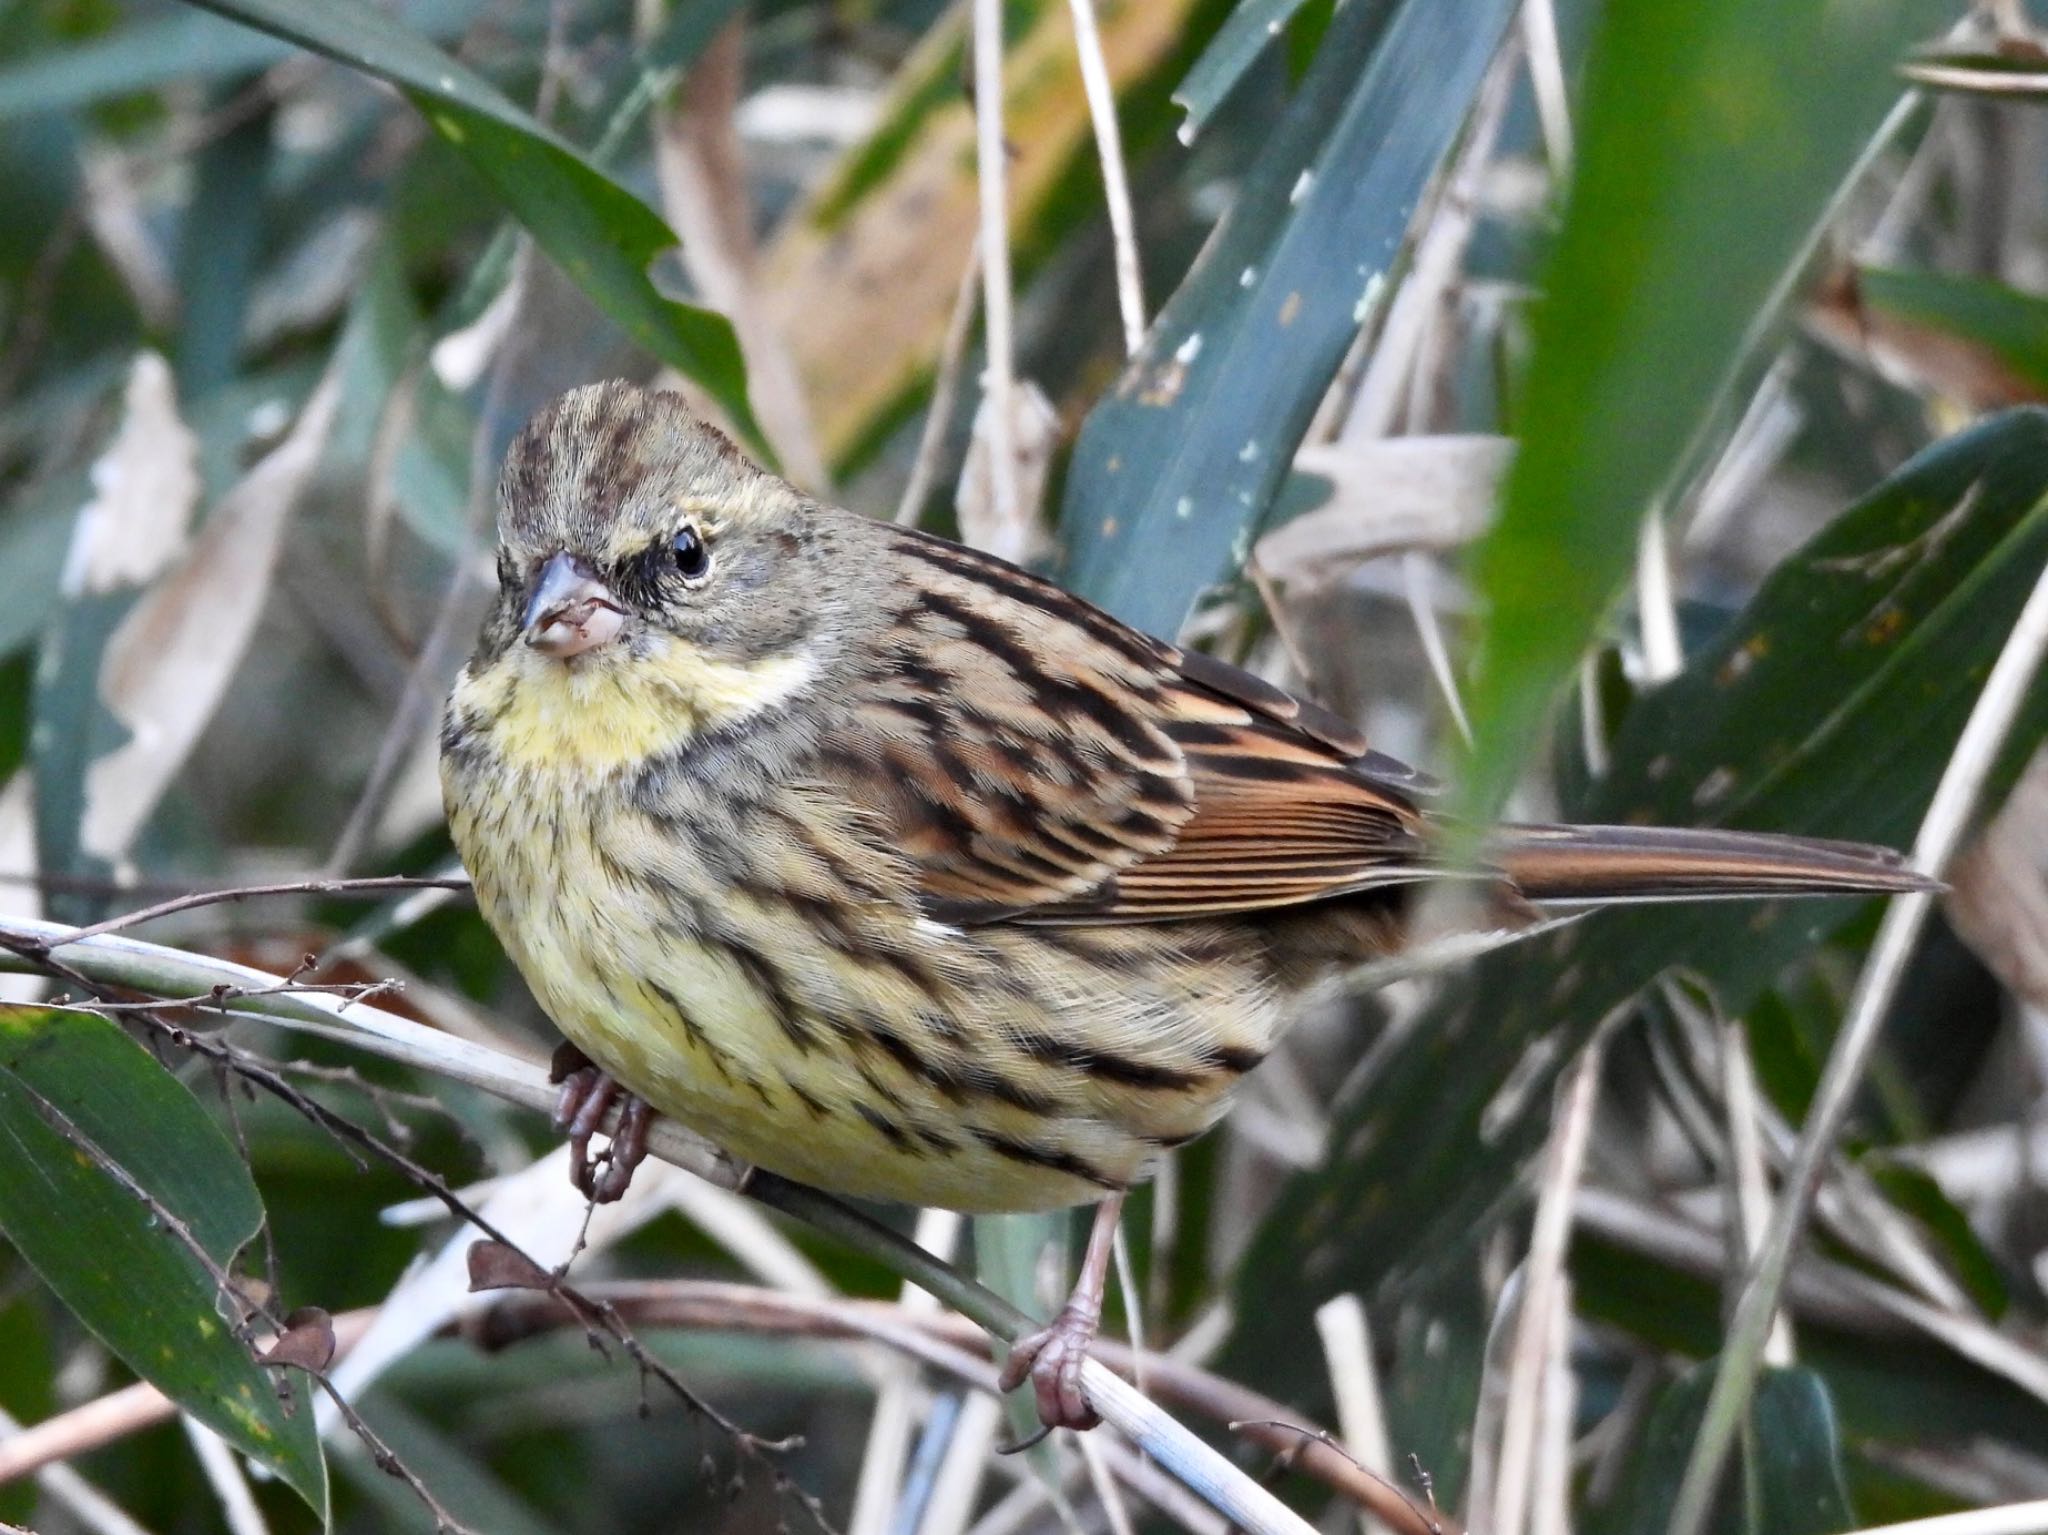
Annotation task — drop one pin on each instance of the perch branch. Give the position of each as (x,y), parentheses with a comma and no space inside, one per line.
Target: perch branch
(154,970)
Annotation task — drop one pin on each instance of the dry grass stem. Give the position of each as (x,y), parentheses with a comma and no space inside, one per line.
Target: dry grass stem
(1941,832)
(1116,188)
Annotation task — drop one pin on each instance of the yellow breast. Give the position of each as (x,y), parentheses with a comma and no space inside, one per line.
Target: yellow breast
(600,713)
(879,1054)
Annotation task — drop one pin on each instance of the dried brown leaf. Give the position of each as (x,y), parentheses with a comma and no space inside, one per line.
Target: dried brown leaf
(1998,890)
(307,1341)
(145,489)
(1020,537)
(494,1266)
(1387,495)
(169,664)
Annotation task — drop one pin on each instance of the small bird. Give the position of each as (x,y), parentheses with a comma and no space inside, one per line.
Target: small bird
(903,873)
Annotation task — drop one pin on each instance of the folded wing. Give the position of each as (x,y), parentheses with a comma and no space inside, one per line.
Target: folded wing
(1039,762)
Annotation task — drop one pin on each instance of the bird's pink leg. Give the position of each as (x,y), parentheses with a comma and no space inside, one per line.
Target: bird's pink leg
(587,1095)
(1052,1357)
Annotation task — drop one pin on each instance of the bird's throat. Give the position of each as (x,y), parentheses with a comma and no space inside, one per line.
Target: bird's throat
(597,714)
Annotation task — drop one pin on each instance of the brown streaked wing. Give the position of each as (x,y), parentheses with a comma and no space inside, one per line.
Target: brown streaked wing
(1013,738)
(1041,762)
(1279,820)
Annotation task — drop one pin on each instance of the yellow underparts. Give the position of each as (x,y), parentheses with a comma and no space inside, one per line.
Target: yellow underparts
(609,709)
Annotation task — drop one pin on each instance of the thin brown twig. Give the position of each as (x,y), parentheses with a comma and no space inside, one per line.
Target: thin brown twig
(596,1317)
(257,1073)
(944,1341)
(952,1343)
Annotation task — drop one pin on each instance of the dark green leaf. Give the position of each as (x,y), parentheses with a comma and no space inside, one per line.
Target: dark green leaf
(1008,1252)
(26,1369)
(1251,29)
(1788,1041)
(1909,1391)
(597,231)
(1792,1468)
(112,1259)
(1179,462)
(1721,129)
(181,48)
(1792,1458)
(462,1480)
(33,537)
(691,24)
(218,248)
(1912,1190)
(1881,629)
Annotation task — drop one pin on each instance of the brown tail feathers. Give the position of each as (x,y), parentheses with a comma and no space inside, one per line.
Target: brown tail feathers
(1648,863)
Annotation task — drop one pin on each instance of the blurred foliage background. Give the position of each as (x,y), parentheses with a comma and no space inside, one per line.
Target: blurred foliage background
(1629,410)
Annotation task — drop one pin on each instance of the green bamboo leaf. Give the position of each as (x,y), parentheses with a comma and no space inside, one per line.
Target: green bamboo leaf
(1181,460)
(1912,1391)
(597,231)
(1792,1482)
(1712,138)
(26,1374)
(1792,1458)
(1008,1250)
(180,47)
(1914,1191)
(109,1257)
(1878,631)
(1252,27)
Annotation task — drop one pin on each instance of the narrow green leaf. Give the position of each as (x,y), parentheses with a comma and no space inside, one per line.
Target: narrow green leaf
(1008,1250)
(108,1257)
(220,248)
(1180,461)
(691,24)
(27,1372)
(463,1481)
(1252,27)
(1711,139)
(1792,1481)
(597,231)
(1792,1458)
(181,47)
(1879,630)
(124,537)
(1911,1392)
(33,536)
(1916,1193)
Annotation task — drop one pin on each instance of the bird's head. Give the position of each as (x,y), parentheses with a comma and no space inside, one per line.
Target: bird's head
(643,559)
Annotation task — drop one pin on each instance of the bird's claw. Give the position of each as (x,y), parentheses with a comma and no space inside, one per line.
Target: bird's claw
(587,1096)
(1052,1357)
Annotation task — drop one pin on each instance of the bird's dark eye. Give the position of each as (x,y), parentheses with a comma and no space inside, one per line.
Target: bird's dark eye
(691,554)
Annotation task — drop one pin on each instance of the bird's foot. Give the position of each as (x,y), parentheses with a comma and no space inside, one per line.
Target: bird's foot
(587,1095)
(1052,1357)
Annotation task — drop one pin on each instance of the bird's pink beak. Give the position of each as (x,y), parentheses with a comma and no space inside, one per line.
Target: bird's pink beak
(571,610)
